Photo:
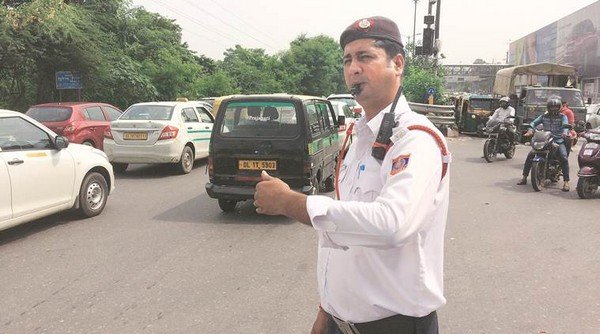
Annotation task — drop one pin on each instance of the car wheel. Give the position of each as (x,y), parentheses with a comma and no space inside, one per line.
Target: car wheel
(227,205)
(92,195)
(88,143)
(186,163)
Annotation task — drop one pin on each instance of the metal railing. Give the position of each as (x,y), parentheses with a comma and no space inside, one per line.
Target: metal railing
(440,115)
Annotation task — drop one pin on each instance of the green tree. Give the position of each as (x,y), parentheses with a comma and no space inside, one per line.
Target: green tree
(313,66)
(421,73)
(45,36)
(123,55)
(215,84)
(251,70)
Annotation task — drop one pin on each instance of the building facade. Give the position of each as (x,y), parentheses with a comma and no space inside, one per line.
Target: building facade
(572,40)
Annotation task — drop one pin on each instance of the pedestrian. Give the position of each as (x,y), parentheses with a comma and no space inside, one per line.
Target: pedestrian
(565,110)
(380,252)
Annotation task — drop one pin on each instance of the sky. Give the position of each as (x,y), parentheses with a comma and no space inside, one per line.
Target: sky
(469,29)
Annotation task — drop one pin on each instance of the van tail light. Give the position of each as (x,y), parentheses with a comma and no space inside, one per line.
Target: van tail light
(210,167)
(169,132)
(69,129)
(357,111)
(108,133)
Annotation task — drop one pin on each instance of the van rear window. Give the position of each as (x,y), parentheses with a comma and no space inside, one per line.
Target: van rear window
(49,114)
(259,119)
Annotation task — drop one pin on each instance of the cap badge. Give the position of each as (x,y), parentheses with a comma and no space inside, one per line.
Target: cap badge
(364,24)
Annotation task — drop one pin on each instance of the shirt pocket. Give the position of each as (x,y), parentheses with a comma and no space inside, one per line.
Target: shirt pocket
(368,186)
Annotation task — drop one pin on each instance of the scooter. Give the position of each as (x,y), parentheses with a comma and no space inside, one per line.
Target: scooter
(589,165)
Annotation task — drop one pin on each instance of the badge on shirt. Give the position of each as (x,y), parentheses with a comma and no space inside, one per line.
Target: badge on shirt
(399,163)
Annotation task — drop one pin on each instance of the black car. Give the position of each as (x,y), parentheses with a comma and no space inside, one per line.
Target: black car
(294,138)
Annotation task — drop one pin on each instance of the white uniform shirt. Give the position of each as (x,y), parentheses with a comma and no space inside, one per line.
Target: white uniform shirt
(500,115)
(381,246)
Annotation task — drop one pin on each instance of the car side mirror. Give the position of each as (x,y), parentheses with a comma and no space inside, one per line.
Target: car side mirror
(341,120)
(61,142)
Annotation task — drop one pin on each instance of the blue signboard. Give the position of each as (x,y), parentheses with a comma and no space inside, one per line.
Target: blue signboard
(68,80)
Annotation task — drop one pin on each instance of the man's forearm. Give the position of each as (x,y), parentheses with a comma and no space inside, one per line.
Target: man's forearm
(296,208)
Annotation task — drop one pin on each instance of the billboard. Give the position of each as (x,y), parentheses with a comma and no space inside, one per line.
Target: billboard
(572,40)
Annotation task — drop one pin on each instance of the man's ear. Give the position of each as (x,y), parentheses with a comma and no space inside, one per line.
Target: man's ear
(398,61)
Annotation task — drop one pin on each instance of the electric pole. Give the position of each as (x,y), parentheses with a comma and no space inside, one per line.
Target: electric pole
(415,23)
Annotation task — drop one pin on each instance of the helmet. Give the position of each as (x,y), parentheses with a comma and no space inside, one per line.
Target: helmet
(553,104)
(504,101)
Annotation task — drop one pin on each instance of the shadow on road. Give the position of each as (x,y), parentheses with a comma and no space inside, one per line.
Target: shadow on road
(553,189)
(205,210)
(24,230)
(155,171)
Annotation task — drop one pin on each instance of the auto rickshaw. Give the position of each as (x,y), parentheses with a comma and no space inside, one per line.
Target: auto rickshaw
(472,112)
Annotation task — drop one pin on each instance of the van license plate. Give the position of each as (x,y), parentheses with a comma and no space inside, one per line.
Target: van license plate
(135,135)
(257,164)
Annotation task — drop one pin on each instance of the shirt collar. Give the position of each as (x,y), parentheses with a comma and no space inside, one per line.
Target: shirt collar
(375,122)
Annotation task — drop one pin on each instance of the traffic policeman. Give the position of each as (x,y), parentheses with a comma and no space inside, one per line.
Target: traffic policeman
(380,258)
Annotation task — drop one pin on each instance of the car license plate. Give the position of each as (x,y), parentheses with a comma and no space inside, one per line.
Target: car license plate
(135,135)
(257,164)
(588,152)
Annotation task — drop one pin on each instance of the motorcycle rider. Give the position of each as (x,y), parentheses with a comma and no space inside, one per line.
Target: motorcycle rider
(557,123)
(501,114)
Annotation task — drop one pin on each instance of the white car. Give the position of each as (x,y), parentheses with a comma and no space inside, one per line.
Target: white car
(349,99)
(41,173)
(342,109)
(160,132)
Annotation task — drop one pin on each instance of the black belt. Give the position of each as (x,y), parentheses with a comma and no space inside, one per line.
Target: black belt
(397,324)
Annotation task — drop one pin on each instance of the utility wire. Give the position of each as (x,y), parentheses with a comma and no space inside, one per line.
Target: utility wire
(228,25)
(244,21)
(198,23)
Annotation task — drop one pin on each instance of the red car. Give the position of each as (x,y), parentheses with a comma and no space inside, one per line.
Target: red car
(81,122)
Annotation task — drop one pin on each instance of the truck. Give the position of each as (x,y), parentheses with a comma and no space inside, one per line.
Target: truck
(530,86)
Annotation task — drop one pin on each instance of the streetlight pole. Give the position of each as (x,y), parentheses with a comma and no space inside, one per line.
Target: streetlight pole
(415,20)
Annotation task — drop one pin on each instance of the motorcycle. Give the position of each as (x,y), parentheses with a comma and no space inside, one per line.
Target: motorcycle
(589,165)
(501,140)
(546,164)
